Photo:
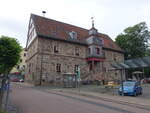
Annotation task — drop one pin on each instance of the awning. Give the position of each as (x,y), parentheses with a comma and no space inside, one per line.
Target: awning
(133,63)
(137,72)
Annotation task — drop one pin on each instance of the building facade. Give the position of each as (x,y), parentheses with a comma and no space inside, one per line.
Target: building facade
(20,67)
(55,48)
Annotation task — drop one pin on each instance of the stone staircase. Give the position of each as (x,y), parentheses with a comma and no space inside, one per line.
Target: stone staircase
(96,75)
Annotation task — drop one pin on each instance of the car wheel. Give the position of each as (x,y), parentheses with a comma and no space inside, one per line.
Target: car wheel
(120,94)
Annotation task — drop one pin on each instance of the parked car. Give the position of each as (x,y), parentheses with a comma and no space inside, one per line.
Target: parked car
(130,88)
(16,78)
(146,80)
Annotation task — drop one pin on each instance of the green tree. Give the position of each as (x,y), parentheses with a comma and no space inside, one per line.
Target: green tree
(9,56)
(134,40)
(148,52)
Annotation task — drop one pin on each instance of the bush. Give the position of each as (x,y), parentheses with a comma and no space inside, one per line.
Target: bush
(1,111)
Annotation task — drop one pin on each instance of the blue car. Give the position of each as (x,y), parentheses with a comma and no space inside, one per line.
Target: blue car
(131,88)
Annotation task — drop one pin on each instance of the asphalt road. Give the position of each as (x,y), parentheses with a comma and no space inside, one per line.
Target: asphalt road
(31,100)
(146,92)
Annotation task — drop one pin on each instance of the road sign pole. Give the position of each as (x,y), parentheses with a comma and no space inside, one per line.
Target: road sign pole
(79,78)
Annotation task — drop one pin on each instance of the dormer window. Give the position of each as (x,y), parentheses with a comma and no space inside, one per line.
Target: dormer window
(73,35)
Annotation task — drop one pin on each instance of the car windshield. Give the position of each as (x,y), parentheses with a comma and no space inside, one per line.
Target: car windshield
(129,83)
(15,76)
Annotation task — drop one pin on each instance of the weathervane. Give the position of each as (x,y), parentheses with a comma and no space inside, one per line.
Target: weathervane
(44,12)
(92,18)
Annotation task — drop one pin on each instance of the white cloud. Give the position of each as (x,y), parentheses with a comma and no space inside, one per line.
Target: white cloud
(111,16)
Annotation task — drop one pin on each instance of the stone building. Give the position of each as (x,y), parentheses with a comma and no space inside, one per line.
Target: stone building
(20,67)
(55,48)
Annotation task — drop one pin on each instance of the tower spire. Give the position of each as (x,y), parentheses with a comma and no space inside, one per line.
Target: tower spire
(93,31)
(92,18)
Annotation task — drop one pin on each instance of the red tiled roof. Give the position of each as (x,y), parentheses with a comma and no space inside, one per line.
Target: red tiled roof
(52,28)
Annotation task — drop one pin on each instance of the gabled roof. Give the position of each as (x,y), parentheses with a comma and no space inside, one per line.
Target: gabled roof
(51,28)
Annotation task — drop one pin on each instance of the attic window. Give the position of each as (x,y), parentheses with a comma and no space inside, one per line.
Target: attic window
(73,35)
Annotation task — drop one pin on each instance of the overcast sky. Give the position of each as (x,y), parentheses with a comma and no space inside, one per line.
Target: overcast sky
(111,16)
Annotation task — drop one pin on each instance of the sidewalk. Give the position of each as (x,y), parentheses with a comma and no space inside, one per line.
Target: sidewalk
(107,97)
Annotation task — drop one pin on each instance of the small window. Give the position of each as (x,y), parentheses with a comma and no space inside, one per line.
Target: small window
(76,68)
(18,67)
(56,49)
(77,51)
(58,68)
(89,50)
(20,60)
(24,66)
(114,57)
(98,51)
(29,67)
(24,54)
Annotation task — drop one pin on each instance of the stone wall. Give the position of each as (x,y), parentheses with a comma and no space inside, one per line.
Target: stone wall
(112,57)
(42,61)
(46,46)
(65,56)
(31,62)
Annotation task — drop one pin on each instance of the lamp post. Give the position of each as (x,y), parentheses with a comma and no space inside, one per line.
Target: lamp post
(78,77)
(122,83)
